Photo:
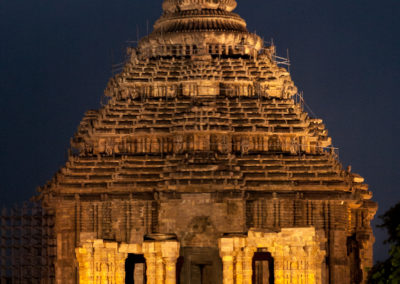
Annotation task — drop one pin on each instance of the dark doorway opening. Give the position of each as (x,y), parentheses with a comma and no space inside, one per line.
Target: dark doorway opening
(135,269)
(263,268)
(199,265)
(202,273)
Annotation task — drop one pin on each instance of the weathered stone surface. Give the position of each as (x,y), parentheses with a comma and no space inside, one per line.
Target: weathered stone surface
(202,158)
(297,254)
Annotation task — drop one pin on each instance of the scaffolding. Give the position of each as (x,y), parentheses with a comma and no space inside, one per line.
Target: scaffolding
(27,245)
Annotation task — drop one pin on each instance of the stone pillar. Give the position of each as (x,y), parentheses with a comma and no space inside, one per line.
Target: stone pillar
(149,251)
(227,261)
(226,251)
(120,259)
(85,259)
(239,267)
(248,253)
(100,261)
(170,270)
(161,259)
(150,268)
(159,268)
(278,253)
(170,254)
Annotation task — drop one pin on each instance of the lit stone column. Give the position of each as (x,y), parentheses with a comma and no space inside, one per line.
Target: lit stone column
(239,243)
(170,270)
(120,259)
(159,268)
(170,253)
(150,256)
(248,253)
(227,261)
(239,267)
(310,269)
(85,259)
(281,257)
(226,250)
(315,258)
(161,259)
(150,268)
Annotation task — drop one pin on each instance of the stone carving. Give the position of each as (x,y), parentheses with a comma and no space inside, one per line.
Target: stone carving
(296,252)
(201,232)
(202,137)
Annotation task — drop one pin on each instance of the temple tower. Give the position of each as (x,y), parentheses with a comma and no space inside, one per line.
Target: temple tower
(203,167)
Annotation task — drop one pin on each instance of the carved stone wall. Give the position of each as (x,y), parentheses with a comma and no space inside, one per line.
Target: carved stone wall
(297,253)
(101,262)
(200,219)
(204,135)
(104,262)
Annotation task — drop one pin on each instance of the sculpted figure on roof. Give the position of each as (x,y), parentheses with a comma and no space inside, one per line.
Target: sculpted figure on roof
(174,5)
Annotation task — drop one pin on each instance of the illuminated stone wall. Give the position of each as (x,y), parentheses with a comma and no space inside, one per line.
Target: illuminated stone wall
(297,254)
(104,262)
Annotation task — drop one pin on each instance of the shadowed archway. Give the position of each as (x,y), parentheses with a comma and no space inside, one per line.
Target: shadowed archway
(135,269)
(263,267)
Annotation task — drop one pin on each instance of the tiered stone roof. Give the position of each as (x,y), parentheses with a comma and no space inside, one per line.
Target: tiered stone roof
(202,106)
(206,172)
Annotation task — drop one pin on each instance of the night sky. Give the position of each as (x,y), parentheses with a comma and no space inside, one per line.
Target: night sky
(56,57)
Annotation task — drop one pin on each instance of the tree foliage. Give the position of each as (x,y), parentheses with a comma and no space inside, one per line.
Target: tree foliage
(388,272)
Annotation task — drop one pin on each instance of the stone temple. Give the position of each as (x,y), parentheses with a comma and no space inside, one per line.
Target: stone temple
(203,168)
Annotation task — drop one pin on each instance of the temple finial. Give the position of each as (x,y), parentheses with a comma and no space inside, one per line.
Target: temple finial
(174,5)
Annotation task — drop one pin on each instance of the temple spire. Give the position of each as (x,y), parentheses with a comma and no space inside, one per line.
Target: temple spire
(180,5)
(197,27)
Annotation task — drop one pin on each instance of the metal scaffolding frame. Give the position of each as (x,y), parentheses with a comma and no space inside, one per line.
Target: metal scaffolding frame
(27,245)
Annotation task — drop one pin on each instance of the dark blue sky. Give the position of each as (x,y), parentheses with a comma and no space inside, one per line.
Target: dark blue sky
(56,56)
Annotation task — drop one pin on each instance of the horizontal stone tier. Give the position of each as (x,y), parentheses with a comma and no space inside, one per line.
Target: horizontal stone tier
(251,172)
(220,110)
(218,13)
(189,87)
(239,77)
(190,49)
(207,124)
(205,142)
(200,22)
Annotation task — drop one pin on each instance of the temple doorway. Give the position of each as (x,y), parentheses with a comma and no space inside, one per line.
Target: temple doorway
(135,269)
(263,267)
(199,266)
